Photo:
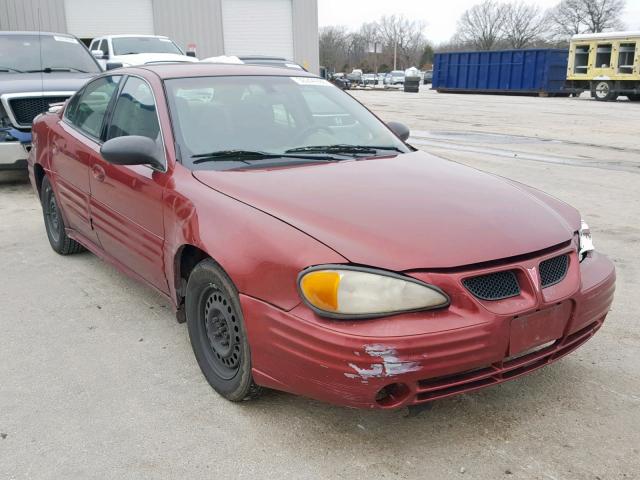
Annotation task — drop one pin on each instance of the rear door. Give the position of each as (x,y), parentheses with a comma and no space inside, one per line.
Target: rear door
(126,201)
(74,144)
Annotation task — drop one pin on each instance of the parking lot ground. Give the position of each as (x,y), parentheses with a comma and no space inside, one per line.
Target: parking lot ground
(97,380)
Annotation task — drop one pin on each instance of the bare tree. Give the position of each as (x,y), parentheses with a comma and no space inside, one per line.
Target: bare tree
(523,24)
(571,17)
(333,47)
(603,15)
(403,39)
(481,25)
(395,35)
(567,18)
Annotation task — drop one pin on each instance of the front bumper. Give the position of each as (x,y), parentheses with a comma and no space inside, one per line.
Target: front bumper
(14,149)
(13,156)
(415,358)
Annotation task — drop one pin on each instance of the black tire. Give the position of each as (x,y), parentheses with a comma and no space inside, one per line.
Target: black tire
(217,332)
(54,223)
(604,91)
(634,97)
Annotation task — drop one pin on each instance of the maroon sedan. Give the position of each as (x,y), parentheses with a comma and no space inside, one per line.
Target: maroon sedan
(307,246)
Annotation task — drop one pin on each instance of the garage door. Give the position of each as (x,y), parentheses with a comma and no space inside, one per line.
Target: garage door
(258,27)
(88,19)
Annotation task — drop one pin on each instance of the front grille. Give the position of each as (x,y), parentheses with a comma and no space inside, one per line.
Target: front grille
(552,271)
(494,286)
(26,109)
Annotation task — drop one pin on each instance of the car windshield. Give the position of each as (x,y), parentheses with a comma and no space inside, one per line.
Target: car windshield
(132,45)
(272,115)
(51,53)
(397,73)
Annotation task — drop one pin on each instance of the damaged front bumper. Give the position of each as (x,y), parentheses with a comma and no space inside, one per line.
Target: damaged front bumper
(415,358)
(14,149)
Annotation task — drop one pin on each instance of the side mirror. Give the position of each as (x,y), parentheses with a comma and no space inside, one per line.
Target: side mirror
(113,65)
(190,53)
(98,54)
(400,129)
(132,150)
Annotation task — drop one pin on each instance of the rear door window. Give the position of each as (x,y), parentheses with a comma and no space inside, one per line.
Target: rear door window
(87,110)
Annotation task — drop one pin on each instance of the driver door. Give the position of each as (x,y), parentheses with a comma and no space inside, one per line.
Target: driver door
(126,201)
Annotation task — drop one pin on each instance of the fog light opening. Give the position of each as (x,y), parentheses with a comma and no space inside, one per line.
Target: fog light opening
(392,395)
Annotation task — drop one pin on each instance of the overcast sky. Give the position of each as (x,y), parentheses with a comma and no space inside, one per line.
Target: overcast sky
(440,17)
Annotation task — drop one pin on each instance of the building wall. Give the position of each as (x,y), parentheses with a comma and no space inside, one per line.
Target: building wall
(305,34)
(200,22)
(185,21)
(191,21)
(23,15)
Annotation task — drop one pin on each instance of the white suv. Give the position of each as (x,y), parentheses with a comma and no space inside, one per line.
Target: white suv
(136,50)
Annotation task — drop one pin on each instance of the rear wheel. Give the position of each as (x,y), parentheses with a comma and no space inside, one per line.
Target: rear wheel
(54,223)
(604,91)
(217,333)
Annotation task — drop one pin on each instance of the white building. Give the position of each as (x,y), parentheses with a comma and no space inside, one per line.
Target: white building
(284,28)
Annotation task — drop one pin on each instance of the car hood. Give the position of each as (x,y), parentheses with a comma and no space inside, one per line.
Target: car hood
(405,212)
(47,82)
(142,58)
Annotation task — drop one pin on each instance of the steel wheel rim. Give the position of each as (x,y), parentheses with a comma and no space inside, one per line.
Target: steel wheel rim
(221,333)
(602,89)
(53,216)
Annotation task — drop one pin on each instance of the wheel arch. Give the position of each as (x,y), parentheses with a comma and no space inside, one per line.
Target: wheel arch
(38,175)
(186,258)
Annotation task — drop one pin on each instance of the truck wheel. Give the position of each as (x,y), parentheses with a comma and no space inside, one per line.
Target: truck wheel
(54,223)
(604,92)
(217,333)
(634,97)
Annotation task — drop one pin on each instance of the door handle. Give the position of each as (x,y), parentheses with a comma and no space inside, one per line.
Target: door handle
(98,173)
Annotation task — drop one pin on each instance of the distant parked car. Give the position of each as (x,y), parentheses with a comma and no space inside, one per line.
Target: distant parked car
(369,79)
(36,70)
(355,77)
(394,78)
(340,80)
(130,50)
(428,77)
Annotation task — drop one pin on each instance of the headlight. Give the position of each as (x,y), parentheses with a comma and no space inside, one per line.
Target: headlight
(585,241)
(340,291)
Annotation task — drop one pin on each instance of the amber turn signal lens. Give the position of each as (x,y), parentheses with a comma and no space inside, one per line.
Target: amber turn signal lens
(321,289)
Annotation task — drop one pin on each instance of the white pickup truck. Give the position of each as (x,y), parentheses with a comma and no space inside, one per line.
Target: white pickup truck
(129,50)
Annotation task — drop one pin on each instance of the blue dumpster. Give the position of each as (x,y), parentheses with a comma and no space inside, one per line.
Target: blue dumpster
(524,72)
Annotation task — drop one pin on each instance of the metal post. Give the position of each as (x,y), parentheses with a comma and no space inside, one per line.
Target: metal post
(395,53)
(375,58)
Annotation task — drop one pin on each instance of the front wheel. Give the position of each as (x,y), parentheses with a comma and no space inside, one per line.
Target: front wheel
(604,92)
(54,223)
(217,332)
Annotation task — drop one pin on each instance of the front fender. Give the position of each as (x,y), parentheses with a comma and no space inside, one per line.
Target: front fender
(261,254)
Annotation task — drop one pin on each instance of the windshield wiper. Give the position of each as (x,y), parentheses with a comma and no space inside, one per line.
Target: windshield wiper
(363,149)
(246,155)
(9,69)
(57,69)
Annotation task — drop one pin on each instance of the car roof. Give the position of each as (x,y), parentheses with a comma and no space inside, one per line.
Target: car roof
(186,70)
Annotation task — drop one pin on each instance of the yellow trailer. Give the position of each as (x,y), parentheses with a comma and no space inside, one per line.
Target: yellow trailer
(606,64)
